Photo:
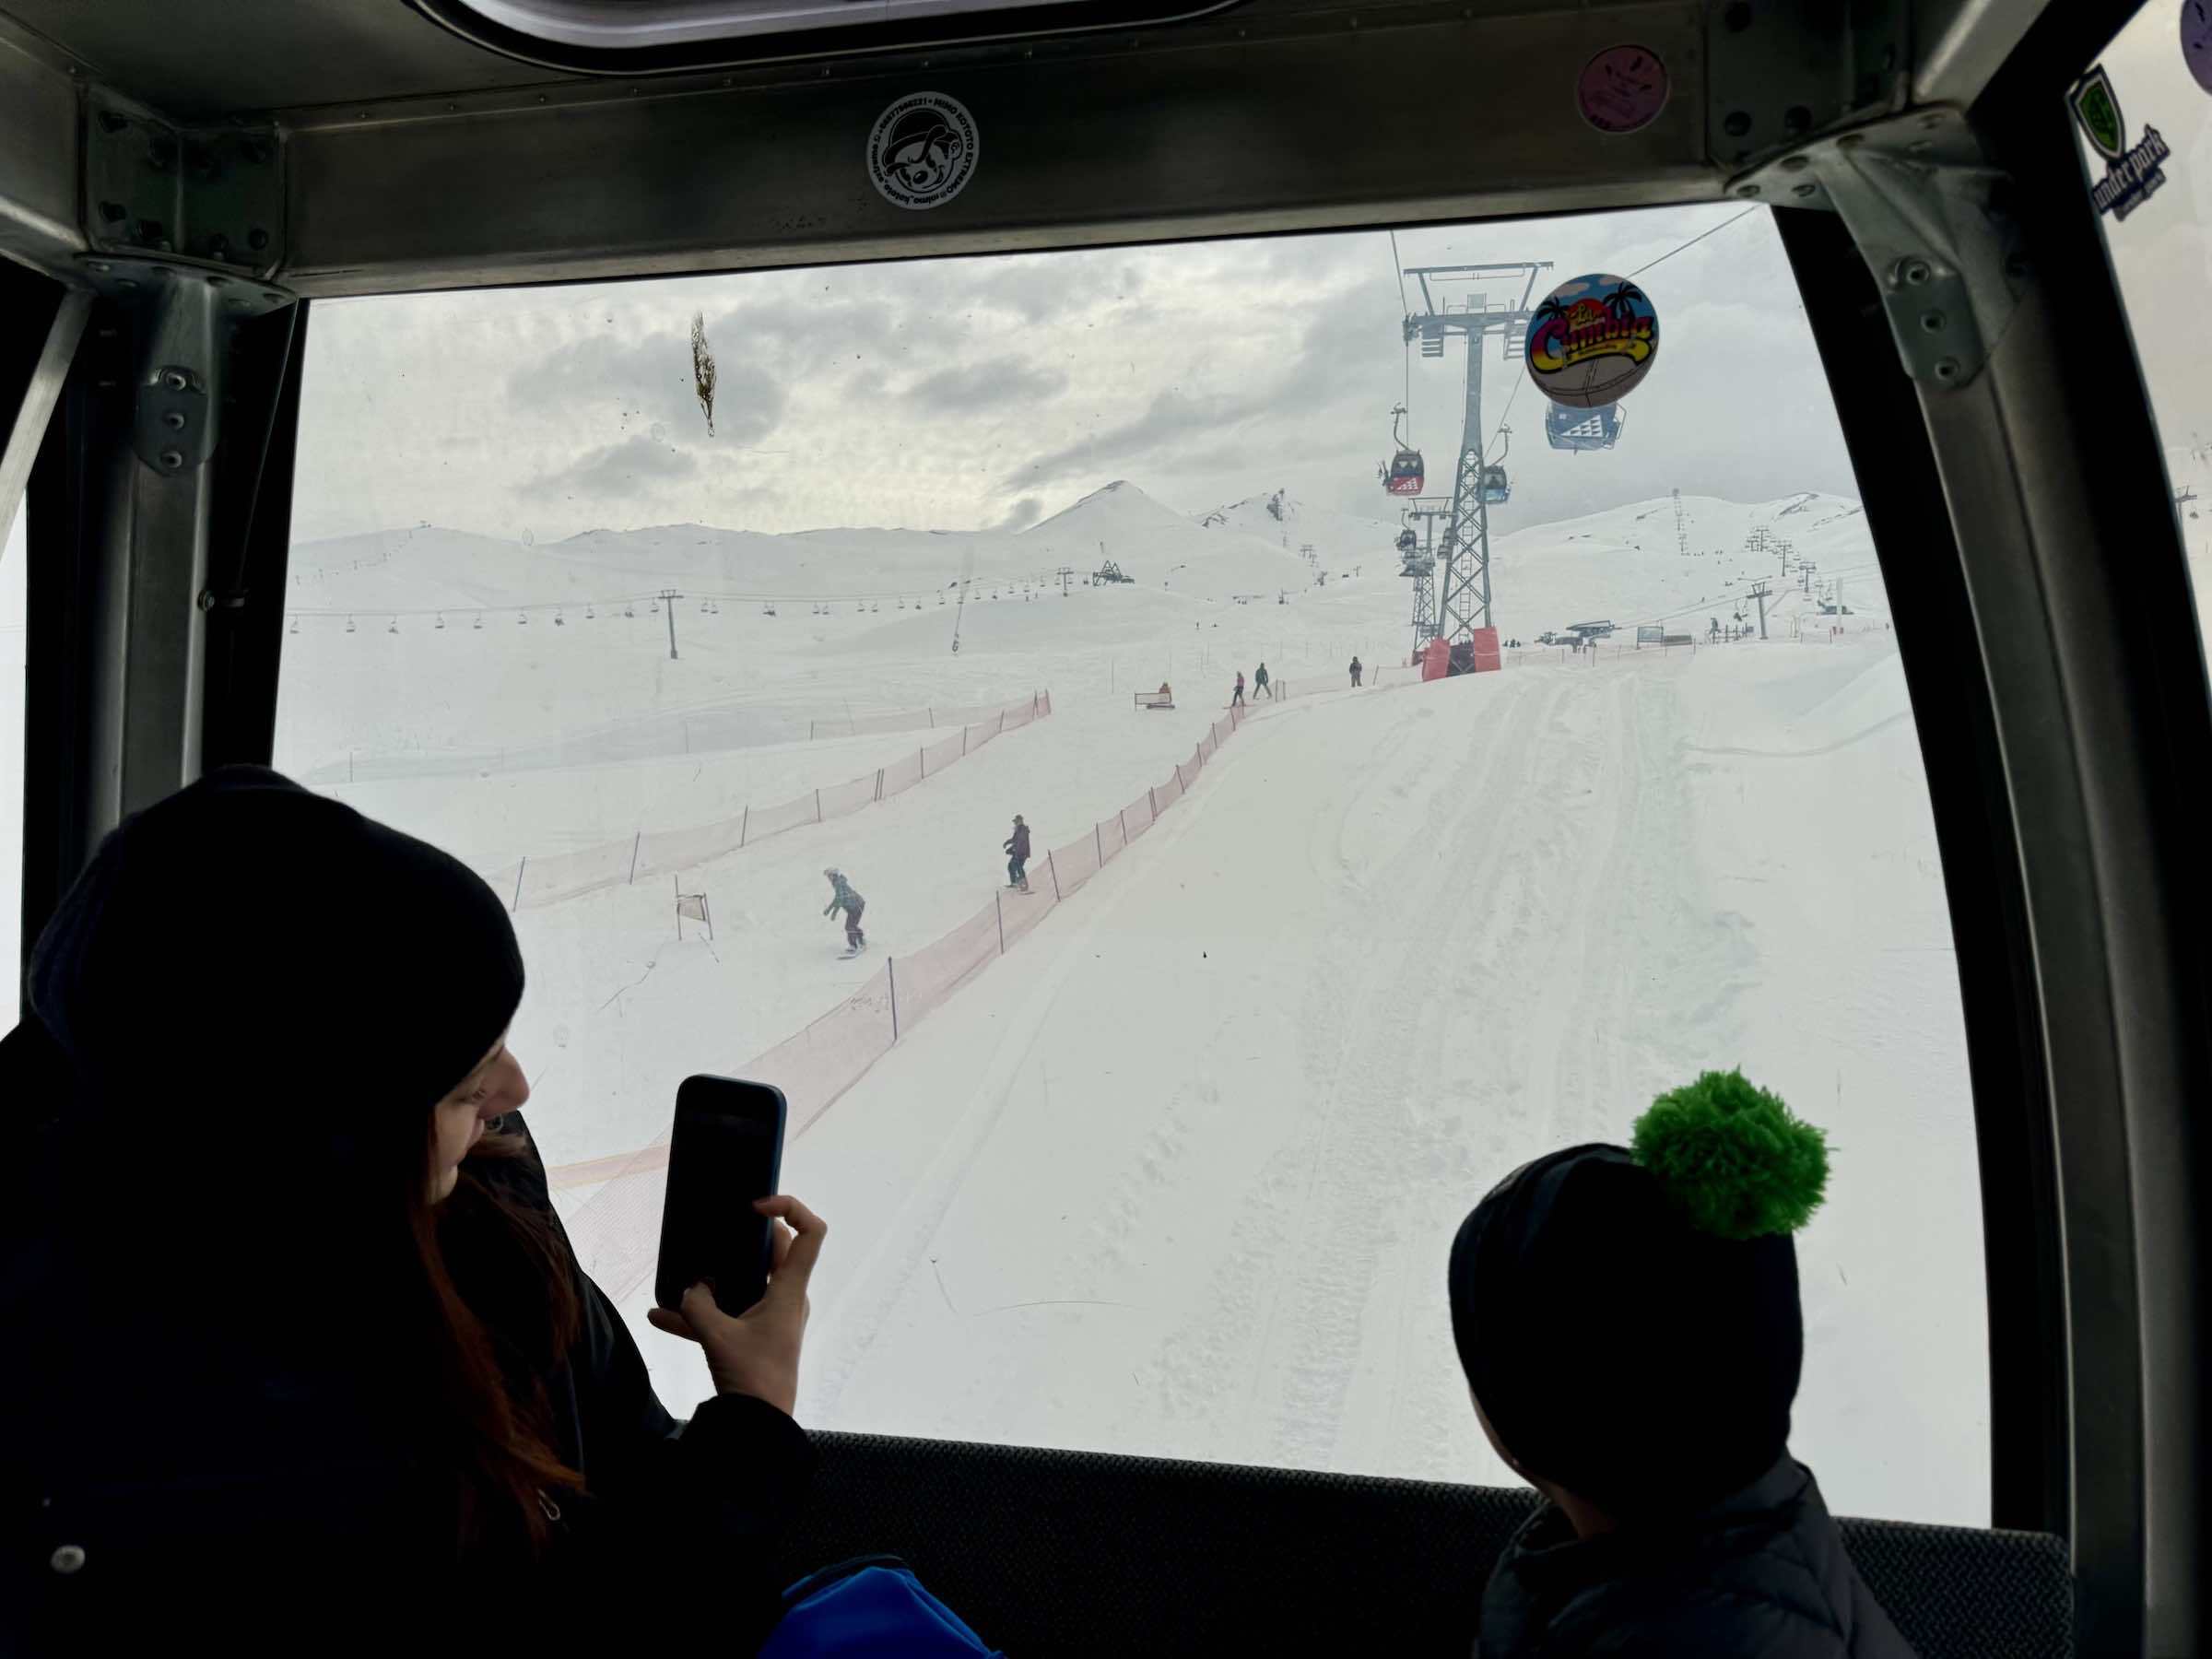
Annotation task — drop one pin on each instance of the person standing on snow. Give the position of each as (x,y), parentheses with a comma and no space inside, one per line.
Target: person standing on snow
(1259,683)
(842,896)
(1236,697)
(1355,672)
(1018,851)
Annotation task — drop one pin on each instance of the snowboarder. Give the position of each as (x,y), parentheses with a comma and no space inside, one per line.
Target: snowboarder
(1017,855)
(1259,683)
(1357,671)
(1236,697)
(842,896)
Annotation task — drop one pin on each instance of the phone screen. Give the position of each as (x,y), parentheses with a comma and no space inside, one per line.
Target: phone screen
(727,1151)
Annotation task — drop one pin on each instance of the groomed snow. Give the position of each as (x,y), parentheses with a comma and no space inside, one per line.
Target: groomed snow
(1176,1175)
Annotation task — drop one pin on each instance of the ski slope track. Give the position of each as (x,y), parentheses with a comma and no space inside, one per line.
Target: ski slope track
(1177,1172)
(1180,1174)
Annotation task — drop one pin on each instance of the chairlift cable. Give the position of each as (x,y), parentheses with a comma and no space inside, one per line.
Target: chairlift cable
(1693,241)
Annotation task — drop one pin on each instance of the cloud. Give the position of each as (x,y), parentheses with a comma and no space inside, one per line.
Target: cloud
(968,388)
(620,468)
(640,377)
(1170,416)
(646,379)
(1022,514)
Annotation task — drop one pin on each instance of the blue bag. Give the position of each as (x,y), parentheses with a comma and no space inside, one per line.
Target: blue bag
(869,1607)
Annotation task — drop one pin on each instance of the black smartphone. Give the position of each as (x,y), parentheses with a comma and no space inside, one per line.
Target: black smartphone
(727,1151)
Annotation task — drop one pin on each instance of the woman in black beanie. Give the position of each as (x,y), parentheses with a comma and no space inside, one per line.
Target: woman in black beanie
(1628,1321)
(303,1357)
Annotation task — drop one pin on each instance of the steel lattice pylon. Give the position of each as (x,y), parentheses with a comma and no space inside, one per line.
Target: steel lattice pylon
(1463,602)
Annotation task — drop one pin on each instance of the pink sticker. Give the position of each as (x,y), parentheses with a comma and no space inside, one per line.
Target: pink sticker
(1622,88)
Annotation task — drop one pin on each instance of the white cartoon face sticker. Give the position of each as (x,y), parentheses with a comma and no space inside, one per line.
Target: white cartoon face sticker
(923,150)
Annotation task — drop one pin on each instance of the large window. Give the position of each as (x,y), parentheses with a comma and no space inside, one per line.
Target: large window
(1163,1153)
(2159,77)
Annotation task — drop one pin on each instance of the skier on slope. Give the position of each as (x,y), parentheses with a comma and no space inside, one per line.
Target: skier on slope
(842,896)
(1236,697)
(1018,851)
(1259,683)
(1356,672)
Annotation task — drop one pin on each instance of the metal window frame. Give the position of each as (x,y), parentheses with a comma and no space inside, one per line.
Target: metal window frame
(1004,19)
(2055,664)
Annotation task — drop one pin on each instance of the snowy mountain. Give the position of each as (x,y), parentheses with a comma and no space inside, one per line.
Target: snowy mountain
(1279,518)
(422,568)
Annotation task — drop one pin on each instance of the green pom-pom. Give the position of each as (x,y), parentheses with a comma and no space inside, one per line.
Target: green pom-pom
(1738,1160)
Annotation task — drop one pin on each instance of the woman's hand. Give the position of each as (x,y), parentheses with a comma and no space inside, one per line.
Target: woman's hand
(758,1352)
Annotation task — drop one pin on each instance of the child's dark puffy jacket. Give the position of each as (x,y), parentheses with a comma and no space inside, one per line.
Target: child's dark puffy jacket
(1761,1574)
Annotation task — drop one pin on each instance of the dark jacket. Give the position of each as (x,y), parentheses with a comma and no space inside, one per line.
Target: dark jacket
(1020,845)
(159,1494)
(843,897)
(1759,1575)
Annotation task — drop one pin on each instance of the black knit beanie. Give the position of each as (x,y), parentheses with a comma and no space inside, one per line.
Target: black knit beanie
(249,976)
(1629,1320)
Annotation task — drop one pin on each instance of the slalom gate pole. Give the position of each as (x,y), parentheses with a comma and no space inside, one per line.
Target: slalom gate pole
(1098,842)
(633,856)
(890,973)
(1053,870)
(517,899)
(745,823)
(818,805)
(998,905)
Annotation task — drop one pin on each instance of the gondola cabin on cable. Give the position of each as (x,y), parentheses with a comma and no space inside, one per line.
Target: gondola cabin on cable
(1496,490)
(1402,474)
(1567,427)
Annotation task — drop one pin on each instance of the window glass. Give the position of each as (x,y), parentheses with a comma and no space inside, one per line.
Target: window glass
(13,660)
(2159,73)
(1290,984)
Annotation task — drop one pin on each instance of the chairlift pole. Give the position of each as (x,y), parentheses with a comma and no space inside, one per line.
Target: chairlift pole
(668,598)
(1463,603)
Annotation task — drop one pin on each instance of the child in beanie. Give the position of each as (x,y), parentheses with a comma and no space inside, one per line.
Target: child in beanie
(1629,1322)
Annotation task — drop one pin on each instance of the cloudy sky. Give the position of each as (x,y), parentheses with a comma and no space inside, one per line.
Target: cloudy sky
(962,394)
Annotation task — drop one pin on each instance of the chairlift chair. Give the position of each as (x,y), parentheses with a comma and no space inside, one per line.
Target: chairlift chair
(480,621)
(440,618)
(559,621)
(522,619)
(589,613)
(350,624)
(295,625)
(392,627)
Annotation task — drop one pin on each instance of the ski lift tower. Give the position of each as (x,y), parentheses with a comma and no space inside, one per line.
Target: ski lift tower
(1448,308)
(1419,562)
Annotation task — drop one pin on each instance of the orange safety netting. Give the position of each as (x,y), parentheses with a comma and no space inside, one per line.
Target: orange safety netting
(661,852)
(1075,863)
(926,978)
(840,798)
(565,874)
(764,821)
(1018,911)
(899,776)
(615,1229)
